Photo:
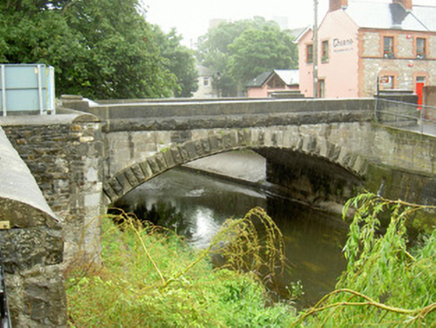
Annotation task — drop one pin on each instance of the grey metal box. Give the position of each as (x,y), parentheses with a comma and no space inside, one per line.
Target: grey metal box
(26,89)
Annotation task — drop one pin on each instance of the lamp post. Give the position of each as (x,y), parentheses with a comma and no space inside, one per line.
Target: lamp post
(315,49)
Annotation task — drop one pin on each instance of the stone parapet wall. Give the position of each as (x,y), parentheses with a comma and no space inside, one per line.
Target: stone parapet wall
(32,249)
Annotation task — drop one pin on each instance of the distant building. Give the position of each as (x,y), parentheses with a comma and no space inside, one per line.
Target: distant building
(362,41)
(205,87)
(268,83)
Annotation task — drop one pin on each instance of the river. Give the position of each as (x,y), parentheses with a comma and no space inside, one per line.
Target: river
(197,205)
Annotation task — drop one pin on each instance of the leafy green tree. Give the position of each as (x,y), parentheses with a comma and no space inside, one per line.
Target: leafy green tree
(100,49)
(259,50)
(221,49)
(179,60)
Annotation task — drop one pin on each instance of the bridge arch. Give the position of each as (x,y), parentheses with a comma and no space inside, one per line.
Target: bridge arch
(228,140)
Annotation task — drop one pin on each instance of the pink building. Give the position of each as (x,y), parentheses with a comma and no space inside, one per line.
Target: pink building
(360,42)
(279,80)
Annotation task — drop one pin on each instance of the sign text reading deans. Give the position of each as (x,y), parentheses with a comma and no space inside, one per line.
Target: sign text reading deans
(341,45)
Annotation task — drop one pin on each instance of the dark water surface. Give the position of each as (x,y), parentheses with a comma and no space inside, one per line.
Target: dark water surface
(198,204)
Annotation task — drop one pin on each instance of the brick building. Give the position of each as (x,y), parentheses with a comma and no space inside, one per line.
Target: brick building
(360,41)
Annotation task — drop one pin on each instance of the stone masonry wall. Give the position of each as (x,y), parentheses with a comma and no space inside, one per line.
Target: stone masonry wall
(405,67)
(64,154)
(31,248)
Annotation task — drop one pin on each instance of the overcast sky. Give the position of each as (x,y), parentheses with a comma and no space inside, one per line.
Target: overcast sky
(191,17)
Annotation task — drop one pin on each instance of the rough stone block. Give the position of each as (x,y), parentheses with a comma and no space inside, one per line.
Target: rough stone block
(153,165)
(146,169)
(137,171)
(309,144)
(175,152)
(110,193)
(124,182)
(131,177)
(189,152)
(215,143)
(116,186)
(205,144)
(169,159)
(160,160)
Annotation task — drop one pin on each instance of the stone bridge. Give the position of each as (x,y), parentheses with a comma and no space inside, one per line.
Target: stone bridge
(318,149)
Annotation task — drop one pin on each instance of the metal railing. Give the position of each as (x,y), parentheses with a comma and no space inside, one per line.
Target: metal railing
(409,116)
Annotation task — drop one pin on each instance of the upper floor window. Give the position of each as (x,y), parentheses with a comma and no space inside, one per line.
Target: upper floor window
(420,48)
(309,53)
(388,47)
(325,51)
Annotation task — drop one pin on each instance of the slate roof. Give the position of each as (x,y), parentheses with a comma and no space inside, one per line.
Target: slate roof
(392,16)
(386,15)
(288,76)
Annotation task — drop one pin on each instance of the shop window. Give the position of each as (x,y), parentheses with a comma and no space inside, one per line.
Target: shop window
(420,48)
(309,53)
(388,47)
(325,51)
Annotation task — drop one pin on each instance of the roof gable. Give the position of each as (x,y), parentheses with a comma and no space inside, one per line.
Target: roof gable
(287,76)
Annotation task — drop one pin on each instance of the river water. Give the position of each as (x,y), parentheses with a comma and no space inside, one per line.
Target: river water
(196,205)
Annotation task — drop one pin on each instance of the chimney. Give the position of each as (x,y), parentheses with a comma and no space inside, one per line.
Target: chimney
(407,4)
(339,4)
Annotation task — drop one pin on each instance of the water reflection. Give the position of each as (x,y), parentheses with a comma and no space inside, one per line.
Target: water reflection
(196,205)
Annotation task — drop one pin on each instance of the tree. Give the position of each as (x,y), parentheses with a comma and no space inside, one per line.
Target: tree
(221,52)
(100,49)
(179,60)
(256,51)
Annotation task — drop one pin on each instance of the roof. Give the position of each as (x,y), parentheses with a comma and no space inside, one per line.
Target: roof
(203,71)
(391,16)
(288,76)
(385,15)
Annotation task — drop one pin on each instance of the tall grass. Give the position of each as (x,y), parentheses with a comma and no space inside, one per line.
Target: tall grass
(152,278)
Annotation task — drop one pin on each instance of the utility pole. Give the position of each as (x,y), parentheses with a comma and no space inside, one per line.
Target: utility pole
(315,49)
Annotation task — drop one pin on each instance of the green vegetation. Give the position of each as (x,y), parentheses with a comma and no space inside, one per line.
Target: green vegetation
(242,50)
(100,49)
(150,278)
(387,283)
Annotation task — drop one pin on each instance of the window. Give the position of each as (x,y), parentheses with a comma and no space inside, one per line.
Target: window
(388,47)
(387,82)
(309,53)
(325,52)
(420,48)
(420,79)
(206,81)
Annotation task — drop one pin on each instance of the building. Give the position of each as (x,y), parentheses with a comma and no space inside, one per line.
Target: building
(268,83)
(362,42)
(205,87)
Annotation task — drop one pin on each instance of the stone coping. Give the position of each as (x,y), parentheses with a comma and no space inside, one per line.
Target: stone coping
(63,116)
(18,186)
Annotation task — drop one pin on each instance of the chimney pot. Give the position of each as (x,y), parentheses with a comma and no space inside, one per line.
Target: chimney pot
(338,4)
(407,4)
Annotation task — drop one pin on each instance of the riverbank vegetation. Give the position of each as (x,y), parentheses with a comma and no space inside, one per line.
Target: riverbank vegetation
(151,278)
